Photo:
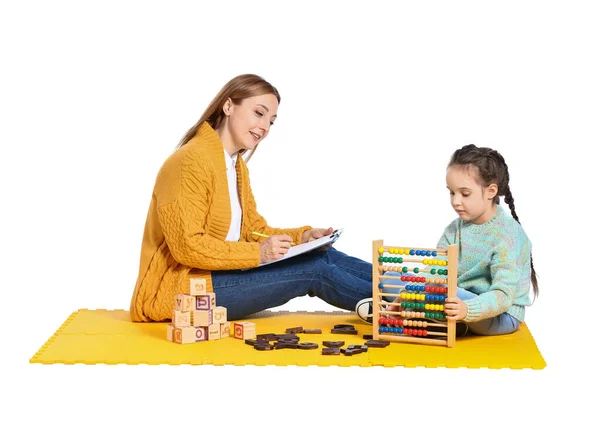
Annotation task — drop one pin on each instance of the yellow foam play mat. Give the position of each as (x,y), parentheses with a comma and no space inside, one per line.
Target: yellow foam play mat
(109,337)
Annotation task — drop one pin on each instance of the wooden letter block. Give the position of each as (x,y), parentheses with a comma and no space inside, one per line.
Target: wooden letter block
(225,329)
(202,318)
(184,302)
(170,328)
(244,330)
(220,314)
(206,302)
(181,319)
(214,332)
(197,286)
(189,334)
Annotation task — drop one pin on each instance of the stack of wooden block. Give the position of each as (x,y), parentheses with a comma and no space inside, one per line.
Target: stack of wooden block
(196,316)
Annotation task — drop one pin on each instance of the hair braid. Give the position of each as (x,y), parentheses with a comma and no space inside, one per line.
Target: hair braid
(510,201)
(505,186)
(536,290)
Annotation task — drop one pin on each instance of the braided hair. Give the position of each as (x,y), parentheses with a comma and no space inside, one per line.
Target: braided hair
(491,169)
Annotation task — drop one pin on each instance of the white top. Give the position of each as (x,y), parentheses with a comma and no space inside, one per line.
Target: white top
(236,208)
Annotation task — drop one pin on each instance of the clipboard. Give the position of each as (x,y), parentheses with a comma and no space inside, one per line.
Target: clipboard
(306,247)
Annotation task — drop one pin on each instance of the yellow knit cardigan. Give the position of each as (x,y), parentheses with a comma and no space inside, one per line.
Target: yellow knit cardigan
(187,223)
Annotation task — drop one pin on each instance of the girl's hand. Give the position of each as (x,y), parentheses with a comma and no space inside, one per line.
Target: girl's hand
(315,234)
(274,247)
(455,309)
(392,308)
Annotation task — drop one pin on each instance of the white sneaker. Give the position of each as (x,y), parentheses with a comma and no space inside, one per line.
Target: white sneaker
(364,310)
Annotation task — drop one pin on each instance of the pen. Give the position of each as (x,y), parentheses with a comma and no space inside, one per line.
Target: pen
(266,236)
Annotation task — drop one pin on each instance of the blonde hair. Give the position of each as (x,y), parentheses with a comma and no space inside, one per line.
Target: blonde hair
(237,89)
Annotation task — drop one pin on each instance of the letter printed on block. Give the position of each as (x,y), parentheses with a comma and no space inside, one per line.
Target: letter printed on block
(184,302)
(220,314)
(244,330)
(201,333)
(177,335)
(214,332)
(197,286)
(181,319)
(206,302)
(225,329)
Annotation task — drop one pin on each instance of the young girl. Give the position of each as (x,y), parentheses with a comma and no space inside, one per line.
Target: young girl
(495,267)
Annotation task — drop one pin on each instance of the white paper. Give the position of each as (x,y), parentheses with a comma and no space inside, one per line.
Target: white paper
(306,247)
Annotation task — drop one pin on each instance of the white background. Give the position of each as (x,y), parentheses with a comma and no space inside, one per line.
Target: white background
(375,97)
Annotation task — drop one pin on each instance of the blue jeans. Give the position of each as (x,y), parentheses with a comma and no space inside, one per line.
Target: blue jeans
(500,324)
(331,275)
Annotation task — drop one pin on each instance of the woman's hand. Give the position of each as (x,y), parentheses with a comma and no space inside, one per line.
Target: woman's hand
(455,309)
(315,234)
(274,247)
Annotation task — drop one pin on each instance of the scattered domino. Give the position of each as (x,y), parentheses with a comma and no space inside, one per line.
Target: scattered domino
(377,343)
(290,340)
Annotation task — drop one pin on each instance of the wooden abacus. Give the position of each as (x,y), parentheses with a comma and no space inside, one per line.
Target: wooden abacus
(421,317)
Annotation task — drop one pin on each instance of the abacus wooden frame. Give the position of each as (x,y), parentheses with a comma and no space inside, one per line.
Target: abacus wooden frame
(452,277)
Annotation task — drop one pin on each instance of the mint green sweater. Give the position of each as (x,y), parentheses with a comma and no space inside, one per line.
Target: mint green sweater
(494,262)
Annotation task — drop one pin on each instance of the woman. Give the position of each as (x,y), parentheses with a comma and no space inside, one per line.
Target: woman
(202,217)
